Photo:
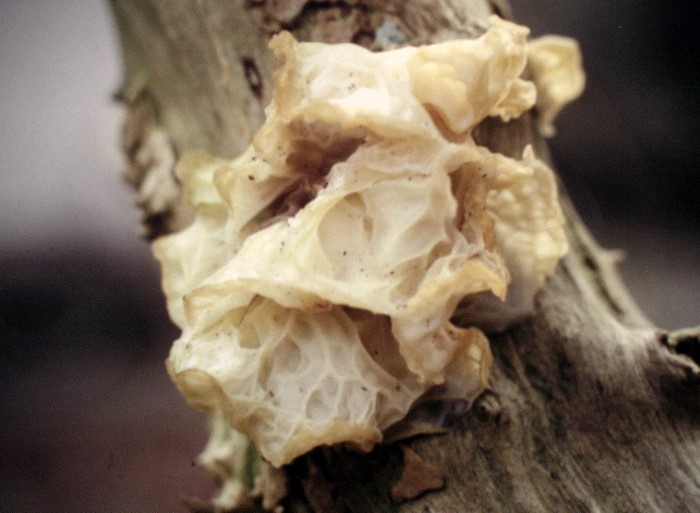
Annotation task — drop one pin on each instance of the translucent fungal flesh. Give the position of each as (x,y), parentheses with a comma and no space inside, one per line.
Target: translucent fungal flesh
(316,285)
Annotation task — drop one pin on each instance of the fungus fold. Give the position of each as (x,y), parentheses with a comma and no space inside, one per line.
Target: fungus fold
(317,285)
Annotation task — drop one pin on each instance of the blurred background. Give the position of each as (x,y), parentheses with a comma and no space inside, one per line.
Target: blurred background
(90,421)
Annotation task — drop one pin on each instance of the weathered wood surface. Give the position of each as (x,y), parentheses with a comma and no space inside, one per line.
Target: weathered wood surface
(590,409)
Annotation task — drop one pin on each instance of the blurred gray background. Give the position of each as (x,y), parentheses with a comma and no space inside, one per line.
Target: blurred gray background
(90,421)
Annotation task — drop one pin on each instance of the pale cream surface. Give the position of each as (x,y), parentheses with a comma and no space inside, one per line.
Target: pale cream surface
(316,285)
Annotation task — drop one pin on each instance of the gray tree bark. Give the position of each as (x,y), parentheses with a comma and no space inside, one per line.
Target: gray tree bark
(590,408)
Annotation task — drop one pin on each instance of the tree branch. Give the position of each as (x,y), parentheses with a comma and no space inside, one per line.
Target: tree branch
(590,408)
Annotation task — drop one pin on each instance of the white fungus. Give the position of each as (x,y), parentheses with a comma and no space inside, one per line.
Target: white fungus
(316,285)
